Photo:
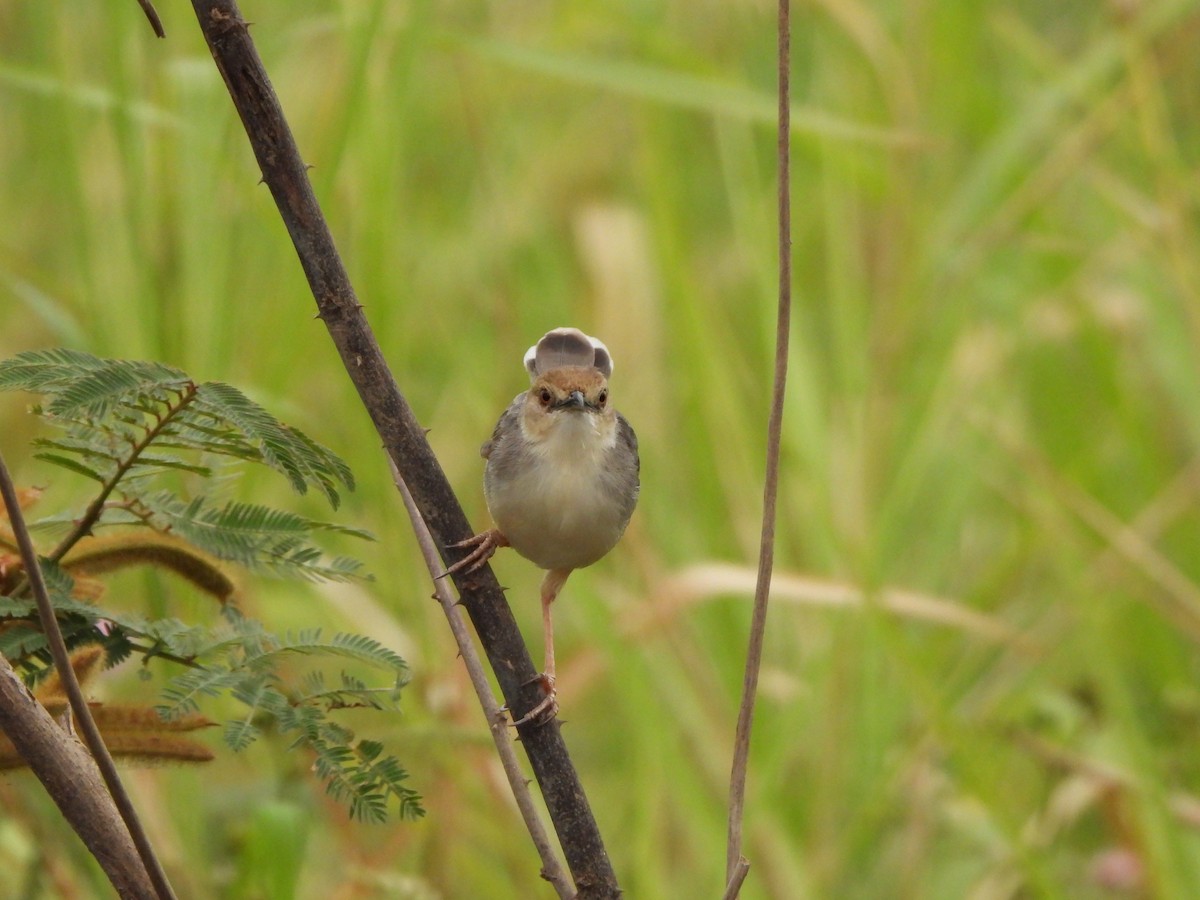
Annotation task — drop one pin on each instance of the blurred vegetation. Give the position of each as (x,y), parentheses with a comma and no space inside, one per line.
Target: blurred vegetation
(981,672)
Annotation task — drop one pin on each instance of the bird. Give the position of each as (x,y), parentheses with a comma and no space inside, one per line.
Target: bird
(562,476)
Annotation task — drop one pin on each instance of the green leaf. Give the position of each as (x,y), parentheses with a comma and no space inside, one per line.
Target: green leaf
(113,408)
(73,465)
(82,447)
(240,734)
(126,424)
(257,537)
(107,388)
(97,391)
(283,448)
(59,584)
(18,641)
(45,371)
(171,462)
(183,694)
(366,649)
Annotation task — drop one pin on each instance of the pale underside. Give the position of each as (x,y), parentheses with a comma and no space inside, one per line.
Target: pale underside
(556,503)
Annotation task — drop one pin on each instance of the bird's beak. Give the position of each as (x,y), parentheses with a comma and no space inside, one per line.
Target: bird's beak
(573,400)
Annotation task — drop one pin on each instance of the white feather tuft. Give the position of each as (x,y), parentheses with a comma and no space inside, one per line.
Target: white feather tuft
(566,347)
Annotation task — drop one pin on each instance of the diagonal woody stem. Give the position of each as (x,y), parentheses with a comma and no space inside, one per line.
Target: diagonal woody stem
(403,438)
(78,703)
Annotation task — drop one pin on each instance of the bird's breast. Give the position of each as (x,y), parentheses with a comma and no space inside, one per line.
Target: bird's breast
(551,498)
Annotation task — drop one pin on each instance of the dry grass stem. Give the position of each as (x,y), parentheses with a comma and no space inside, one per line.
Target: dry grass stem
(766,556)
(497,717)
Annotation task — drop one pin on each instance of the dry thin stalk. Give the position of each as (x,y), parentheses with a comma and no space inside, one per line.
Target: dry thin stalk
(79,708)
(740,871)
(766,556)
(71,778)
(496,716)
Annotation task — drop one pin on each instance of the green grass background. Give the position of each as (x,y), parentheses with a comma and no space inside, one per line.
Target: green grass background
(981,667)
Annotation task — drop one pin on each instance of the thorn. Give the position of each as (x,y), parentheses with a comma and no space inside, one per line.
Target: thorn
(152,15)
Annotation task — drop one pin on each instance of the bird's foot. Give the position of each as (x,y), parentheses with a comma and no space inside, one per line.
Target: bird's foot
(485,545)
(547,709)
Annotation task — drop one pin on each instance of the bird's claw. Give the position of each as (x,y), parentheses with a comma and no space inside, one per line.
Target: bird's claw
(547,709)
(485,545)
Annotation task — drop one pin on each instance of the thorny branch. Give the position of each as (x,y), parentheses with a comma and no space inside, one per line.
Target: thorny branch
(285,174)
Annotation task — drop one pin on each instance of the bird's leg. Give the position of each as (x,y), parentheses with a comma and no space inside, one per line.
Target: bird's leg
(548,708)
(486,543)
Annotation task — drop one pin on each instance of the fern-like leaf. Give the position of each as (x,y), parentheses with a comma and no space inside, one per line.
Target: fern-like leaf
(116,409)
(126,425)
(160,461)
(349,646)
(45,371)
(73,465)
(240,734)
(256,537)
(184,693)
(283,448)
(117,381)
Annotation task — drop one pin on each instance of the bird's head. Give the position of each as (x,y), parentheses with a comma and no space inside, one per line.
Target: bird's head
(569,400)
(569,396)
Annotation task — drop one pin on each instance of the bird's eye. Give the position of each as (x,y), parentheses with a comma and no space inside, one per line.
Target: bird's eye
(603,398)
(545,396)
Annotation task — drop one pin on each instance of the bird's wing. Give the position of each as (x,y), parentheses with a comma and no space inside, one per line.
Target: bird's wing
(626,436)
(628,440)
(508,424)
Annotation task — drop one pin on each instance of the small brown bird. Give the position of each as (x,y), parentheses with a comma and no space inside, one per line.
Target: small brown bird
(561,479)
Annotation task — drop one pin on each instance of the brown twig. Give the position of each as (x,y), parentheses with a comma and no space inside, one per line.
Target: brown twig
(152,15)
(766,553)
(740,871)
(79,708)
(286,176)
(496,717)
(74,783)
